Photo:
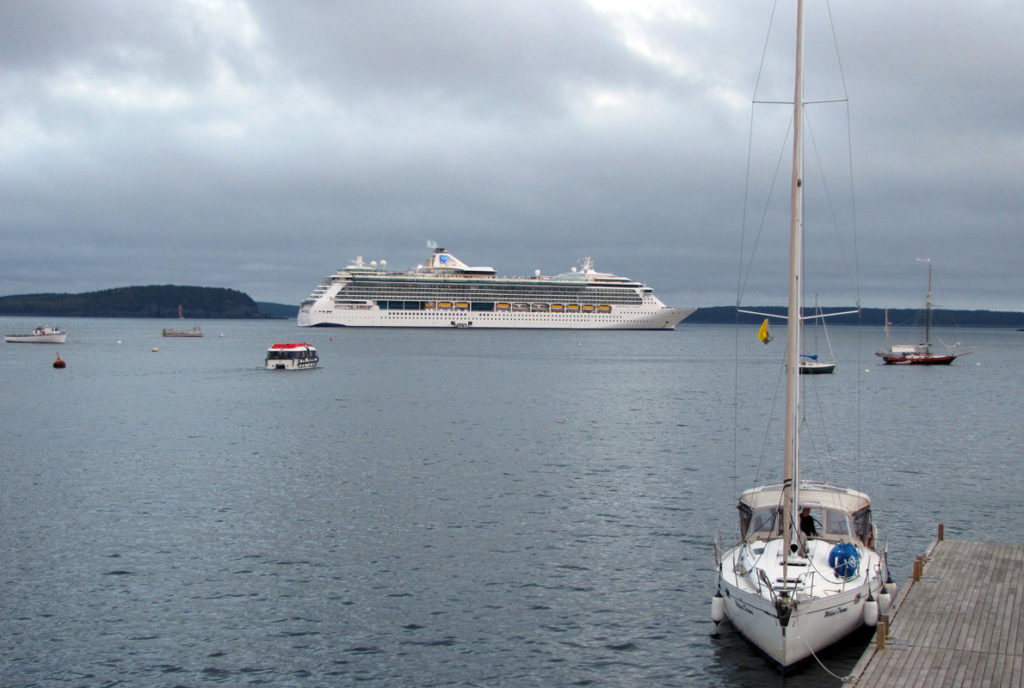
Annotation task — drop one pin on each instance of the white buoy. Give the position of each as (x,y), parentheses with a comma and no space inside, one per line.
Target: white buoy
(890,588)
(871,612)
(717,607)
(155,349)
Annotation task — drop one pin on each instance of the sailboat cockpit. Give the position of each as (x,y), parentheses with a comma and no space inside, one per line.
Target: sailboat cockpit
(835,514)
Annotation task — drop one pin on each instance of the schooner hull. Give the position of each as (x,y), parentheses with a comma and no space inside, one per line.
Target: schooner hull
(917,360)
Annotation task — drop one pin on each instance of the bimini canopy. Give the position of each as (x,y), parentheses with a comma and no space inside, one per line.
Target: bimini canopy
(811,494)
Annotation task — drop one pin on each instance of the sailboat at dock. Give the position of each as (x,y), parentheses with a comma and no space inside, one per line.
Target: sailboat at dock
(807,570)
(915,354)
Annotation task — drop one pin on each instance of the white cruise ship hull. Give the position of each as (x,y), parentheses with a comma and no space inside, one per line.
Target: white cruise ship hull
(663,318)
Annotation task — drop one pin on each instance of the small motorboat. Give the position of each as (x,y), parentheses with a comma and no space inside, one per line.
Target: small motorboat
(41,335)
(291,357)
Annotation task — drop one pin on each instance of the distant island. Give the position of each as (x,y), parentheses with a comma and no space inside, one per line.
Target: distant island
(162,301)
(899,317)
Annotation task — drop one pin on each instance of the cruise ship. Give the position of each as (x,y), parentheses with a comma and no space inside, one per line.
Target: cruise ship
(448,293)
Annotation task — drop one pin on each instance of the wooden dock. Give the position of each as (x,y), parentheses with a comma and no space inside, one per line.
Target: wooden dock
(956,623)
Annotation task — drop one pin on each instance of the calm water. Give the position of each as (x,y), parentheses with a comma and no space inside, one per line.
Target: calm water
(433,508)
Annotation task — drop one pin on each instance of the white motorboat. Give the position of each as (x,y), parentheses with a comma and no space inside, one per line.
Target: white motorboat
(40,335)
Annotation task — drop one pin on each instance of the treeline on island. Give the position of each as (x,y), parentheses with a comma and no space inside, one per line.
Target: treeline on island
(161,301)
(898,317)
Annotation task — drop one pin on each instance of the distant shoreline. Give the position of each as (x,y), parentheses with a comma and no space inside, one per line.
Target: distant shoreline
(200,303)
(898,317)
(159,301)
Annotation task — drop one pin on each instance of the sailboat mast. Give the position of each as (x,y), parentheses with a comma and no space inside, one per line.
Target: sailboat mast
(928,310)
(791,472)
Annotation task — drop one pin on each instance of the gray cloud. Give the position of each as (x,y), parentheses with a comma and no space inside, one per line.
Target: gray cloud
(260,145)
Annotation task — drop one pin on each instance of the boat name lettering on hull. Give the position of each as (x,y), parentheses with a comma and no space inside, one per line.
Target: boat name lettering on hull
(742,606)
(834,612)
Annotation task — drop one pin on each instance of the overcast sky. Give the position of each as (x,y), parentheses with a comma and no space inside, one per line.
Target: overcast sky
(262,144)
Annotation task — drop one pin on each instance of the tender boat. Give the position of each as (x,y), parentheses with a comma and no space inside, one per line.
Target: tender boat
(807,570)
(291,357)
(916,354)
(41,335)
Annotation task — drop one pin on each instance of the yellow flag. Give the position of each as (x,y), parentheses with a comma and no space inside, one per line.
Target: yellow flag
(763,334)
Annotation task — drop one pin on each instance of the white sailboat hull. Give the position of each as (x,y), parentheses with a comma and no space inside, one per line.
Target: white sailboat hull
(825,608)
(812,627)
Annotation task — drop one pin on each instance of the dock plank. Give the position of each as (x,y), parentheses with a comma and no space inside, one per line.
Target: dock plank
(960,625)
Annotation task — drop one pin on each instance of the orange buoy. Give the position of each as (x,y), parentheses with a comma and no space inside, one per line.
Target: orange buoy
(59,363)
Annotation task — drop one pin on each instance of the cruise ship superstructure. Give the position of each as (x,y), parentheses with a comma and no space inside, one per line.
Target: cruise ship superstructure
(448,293)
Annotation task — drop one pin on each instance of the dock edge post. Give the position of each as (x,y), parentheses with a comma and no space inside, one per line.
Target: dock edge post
(942,532)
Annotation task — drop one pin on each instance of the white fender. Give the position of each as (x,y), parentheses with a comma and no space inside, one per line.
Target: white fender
(884,600)
(871,612)
(717,607)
